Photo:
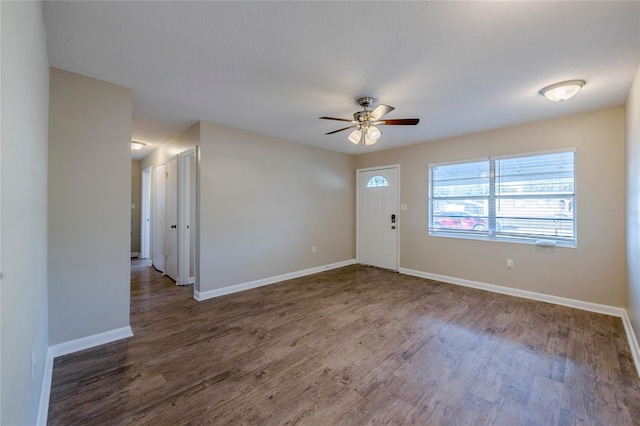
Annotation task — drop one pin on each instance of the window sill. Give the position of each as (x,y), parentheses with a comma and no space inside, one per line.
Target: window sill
(470,236)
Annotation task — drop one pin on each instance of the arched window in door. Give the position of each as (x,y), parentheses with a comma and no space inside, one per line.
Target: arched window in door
(377,181)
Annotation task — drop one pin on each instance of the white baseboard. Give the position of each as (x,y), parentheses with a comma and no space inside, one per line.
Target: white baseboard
(90,341)
(135,254)
(68,348)
(45,392)
(192,280)
(542,297)
(200,296)
(633,342)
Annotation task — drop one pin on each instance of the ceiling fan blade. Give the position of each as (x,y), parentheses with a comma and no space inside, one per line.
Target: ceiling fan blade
(380,111)
(339,130)
(337,119)
(399,122)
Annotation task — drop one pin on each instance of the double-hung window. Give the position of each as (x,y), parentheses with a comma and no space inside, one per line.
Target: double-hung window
(519,199)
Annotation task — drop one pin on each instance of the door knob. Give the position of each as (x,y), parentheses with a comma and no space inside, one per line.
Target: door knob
(174,226)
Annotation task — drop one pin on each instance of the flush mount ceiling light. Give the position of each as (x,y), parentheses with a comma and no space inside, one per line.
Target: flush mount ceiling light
(136,146)
(562,91)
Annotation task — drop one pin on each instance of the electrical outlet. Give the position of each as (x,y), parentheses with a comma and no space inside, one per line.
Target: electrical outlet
(313,249)
(509,263)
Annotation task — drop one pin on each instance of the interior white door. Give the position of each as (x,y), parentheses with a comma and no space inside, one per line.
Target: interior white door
(378,218)
(185,224)
(145,217)
(159,213)
(171,262)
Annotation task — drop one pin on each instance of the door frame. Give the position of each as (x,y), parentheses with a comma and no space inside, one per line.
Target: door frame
(172,231)
(184,215)
(399,222)
(145,214)
(155,237)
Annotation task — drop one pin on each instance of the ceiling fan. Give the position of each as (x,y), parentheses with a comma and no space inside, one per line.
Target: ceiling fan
(365,122)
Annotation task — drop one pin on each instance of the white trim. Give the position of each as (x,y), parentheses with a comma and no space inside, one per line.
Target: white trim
(505,156)
(389,166)
(542,297)
(90,341)
(192,280)
(68,348)
(200,296)
(633,342)
(135,254)
(145,213)
(45,392)
(534,153)
(184,214)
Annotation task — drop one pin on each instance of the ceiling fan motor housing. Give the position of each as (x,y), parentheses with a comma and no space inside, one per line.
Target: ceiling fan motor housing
(365,102)
(360,116)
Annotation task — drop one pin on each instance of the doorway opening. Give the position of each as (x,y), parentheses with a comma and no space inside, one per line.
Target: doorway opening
(173,217)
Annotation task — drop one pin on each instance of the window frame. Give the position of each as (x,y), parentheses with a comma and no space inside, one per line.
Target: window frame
(491,198)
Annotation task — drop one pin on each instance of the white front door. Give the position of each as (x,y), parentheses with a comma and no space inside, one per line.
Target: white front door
(159,215)
(378,217)
(171,265)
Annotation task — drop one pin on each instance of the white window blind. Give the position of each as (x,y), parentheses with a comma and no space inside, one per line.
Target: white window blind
(523,198)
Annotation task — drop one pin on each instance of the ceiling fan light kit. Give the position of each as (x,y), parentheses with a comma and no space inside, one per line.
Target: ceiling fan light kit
(374,133)
(562,91)
(366,121)
(354,137)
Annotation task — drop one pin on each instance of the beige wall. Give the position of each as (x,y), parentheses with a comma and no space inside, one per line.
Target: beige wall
(23,209)
(632,213)
(593,272)
(89,206)
(264,202)
(136,178)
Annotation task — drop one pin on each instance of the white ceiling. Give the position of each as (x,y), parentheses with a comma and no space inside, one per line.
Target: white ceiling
(275,67)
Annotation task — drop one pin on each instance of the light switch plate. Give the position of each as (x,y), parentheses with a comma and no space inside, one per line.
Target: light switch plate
(403,206)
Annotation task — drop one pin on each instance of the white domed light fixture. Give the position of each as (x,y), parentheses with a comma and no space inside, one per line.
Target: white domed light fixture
(562,91)
(136,146)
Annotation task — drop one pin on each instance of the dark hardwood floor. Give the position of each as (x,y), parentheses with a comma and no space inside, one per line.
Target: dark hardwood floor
(352,346)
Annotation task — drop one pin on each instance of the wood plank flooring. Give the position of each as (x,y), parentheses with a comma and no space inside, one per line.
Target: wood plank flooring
(352,346)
